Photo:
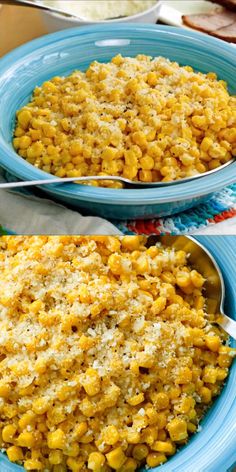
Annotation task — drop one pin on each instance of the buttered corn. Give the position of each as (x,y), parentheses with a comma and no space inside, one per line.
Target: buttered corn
(107,362)
(143,118)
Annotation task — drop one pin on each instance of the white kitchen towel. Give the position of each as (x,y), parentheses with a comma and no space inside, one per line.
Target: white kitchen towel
(23,213)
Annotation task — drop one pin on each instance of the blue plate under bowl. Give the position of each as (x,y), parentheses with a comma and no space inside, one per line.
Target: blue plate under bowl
(213,449)
(61,53)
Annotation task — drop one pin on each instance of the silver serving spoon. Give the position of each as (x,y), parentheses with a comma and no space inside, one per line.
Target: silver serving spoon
(203,261)
(115,178)
(53,9)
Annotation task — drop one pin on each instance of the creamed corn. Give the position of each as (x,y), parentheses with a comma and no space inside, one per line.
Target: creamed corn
(108,359)
(146,119)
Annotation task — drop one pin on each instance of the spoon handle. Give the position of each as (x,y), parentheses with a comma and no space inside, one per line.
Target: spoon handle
(228,325)
(25,3)
(39,6)
(29,183)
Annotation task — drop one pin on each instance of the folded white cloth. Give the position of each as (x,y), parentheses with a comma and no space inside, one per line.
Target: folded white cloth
(28,214)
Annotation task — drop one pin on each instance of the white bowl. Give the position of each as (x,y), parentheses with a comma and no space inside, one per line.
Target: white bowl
(57,21)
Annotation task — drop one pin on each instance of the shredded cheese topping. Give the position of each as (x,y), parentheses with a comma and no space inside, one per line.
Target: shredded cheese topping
(108,358)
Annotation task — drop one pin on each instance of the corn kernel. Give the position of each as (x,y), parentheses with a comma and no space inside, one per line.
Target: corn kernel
(110,435)
(55,457)
(14,454)
(131,243)
(72,450)
(147,162)
(136,399)
(163,446)
(213,343)
(140,452)
(24,118)
(32,464)
(116,458)
(26,439)
(192,428)
(205,394)
(5,390)
(199,121)
(8,433)
(24,142)
(75,465)
(177,429)
(158,305)
(49,130)
(196,279)
(183,279)
(130,465)
(161,401)
(26,419)
(130,172)
(210,375)
(145,175)
(155,458)
(109,154)
(131,158)
(80,430)
(152,79)
(56,439)
(139,138)
(91,382)
(96,461)
(184,376)
(133,437)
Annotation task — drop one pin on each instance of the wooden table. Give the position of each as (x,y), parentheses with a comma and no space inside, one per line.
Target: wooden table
(17,26)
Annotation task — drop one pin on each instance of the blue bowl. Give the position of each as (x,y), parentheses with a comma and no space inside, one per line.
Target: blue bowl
(213,449)
(62,52)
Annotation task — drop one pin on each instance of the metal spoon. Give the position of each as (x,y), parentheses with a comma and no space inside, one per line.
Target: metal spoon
(53,9)
(115,178)
(41,6)
(203,261)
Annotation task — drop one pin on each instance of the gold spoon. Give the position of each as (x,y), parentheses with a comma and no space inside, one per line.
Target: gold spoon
(115,178)
(203,261)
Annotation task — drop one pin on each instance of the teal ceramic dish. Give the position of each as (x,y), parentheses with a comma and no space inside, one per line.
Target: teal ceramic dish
(59,54)
(213,448)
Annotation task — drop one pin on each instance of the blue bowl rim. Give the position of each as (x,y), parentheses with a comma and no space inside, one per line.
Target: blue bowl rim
(181,191)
